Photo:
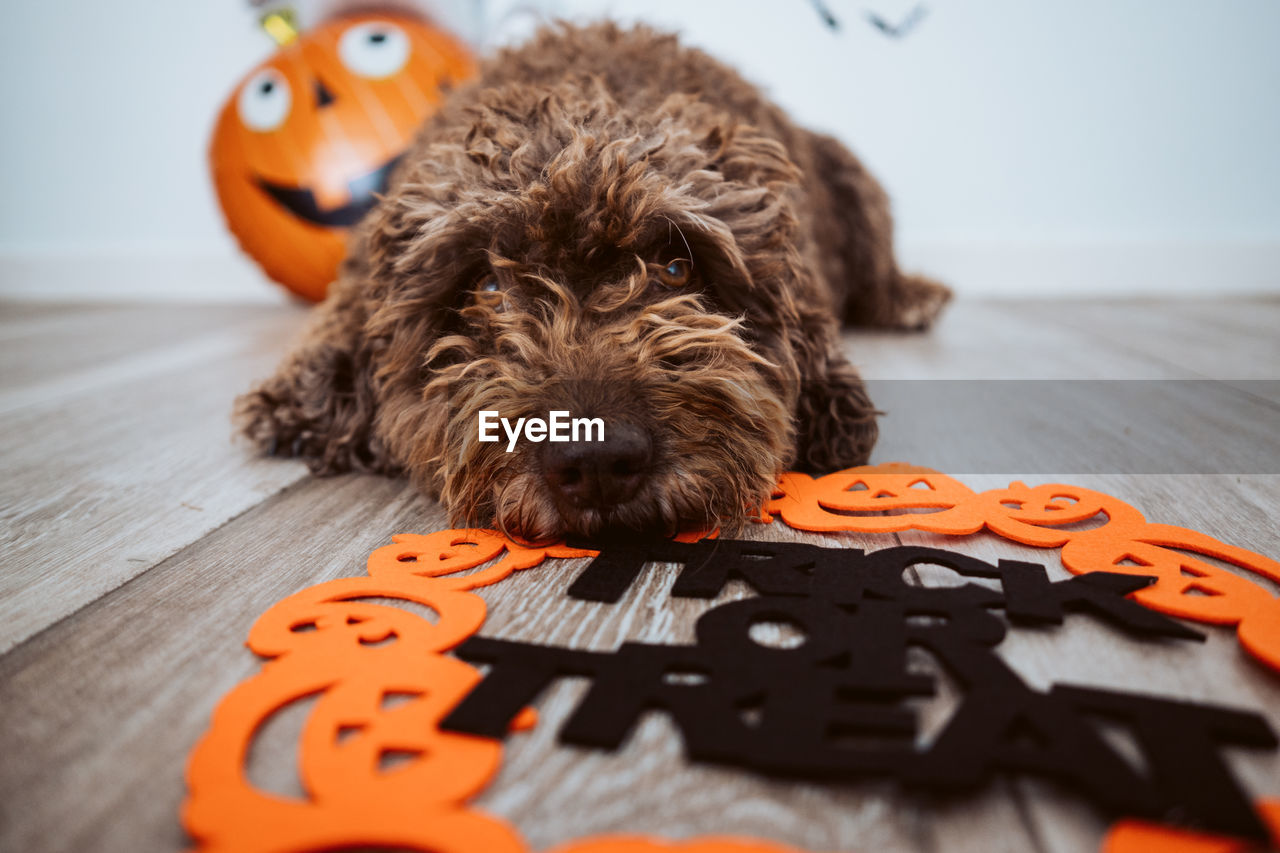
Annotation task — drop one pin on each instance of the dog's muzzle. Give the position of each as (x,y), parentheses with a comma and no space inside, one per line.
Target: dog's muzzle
(598,474)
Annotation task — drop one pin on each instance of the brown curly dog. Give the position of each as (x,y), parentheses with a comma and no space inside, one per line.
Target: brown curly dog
(609,224)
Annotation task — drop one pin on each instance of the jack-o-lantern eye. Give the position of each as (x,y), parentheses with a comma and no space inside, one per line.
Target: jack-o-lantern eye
(374,49)
(676,273)
(264,101)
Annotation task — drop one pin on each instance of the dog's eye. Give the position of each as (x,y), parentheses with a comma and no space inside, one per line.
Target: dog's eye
(676,273)
(488,291)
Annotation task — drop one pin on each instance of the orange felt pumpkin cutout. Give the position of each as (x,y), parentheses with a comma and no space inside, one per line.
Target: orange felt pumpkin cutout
(307,139)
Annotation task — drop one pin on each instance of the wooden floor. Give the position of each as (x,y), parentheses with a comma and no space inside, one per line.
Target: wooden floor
(140,543)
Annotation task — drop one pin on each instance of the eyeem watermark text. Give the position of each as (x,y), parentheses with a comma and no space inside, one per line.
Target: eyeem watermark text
(558,426)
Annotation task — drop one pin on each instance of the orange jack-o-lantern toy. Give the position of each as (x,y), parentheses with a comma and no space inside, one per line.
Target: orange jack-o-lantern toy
(308,139)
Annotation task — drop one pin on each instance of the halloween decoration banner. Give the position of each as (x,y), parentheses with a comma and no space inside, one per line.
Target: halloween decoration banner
(850,679)
(832,708)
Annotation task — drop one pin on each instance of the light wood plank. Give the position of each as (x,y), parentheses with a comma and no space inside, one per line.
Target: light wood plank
(986,340)
(1216,339)
(1006,387)
(100,710)
(1233,341)
(18,317)
(50,348)
(115,469)
(1036,427)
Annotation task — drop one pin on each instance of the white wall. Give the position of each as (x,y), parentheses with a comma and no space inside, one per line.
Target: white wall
(1072,146)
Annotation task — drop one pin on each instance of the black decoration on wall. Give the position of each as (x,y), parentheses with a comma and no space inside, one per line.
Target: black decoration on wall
(903,28)
(899,30)
(835,707)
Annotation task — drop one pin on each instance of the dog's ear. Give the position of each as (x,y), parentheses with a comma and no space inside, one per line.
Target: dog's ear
(348,397)
(835,420)
(748,214)
(321,402)
(745,155)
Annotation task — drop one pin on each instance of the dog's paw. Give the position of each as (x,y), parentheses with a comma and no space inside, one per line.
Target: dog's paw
(917,302)
(837,424)
(270,427)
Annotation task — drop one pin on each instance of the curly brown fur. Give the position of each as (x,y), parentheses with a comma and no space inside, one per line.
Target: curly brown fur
(566,177)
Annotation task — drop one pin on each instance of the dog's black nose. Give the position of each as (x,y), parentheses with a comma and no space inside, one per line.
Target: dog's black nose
(599,473)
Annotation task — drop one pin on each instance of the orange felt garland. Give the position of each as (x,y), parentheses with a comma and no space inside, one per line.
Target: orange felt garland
(352,654)
(1040,517)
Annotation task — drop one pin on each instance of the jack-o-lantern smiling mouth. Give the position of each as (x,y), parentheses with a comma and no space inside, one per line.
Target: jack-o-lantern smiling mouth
(301,202)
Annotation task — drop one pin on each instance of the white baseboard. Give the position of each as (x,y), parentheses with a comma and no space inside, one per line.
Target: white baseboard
(110,275)
(973,268)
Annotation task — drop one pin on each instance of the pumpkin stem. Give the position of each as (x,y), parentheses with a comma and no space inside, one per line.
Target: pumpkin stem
(281,25)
